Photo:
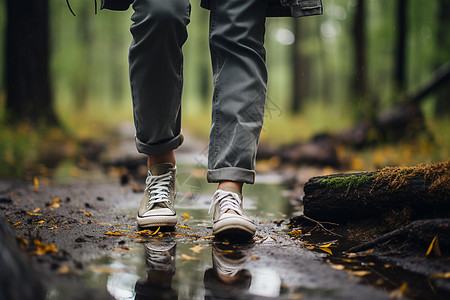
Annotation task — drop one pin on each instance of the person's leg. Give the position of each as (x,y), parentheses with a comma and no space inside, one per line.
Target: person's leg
(240,80)
(156,78)
(156,63)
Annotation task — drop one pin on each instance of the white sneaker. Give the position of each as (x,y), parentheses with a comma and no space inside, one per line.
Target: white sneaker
(157,203)
(228,214)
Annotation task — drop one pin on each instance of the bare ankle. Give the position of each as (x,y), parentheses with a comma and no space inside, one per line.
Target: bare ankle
(234,184)
(168,157)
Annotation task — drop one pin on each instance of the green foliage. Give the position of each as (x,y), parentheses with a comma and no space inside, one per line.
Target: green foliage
(92,95)
(18,150)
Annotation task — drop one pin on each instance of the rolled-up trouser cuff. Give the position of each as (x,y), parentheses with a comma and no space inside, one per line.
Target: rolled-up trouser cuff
(160,148)
(231,174)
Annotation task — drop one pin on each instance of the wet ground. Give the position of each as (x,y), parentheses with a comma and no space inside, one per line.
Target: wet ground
(81,233)
(97,243)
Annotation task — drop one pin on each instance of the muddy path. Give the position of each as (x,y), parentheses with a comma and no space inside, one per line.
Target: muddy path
(79,233)
(83,234)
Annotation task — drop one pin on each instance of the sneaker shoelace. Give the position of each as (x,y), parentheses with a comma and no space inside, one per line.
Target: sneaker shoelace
(158,187)
(227,200)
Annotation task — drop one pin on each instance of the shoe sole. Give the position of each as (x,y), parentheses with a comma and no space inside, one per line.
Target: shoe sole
(156,221)
(234,226)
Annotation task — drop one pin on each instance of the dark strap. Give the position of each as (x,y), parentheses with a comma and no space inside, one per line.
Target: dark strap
(72,12)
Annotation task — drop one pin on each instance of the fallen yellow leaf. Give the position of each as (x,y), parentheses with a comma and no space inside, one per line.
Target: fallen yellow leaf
(369,251)
(102,270)
(18,223)
(182,226)
(42,248)
(39,222)
(86,213)
(196,249)
(254,257)
(434,246)
(359,272)
(54,203)
(187,257)
(207,236)
(353,255)
(53,227)
(64,269)
(23,240)
(113,233)
(440,275)
(156,231)
(124,248)
(337,267)
(186,216)
(326,245)
(144,232)
(400,292)
(295,232)
(326,249)
(33,214)
(35,188)
(185,234)
(36,209)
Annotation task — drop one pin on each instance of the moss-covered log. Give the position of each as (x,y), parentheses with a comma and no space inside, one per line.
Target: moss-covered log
(408,193)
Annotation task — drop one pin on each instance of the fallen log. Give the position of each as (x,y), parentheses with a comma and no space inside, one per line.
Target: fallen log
(404,121)
(320,151)
(402,194)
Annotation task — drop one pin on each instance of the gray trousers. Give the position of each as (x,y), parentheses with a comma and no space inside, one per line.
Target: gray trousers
(236,37)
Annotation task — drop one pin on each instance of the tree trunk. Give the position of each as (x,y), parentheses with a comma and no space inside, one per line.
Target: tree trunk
(297,69)
(443,44)
(27,63)
(359,42)
(400,66)
(409,193)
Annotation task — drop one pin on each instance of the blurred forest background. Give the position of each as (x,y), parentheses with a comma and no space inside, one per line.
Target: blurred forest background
(64,78)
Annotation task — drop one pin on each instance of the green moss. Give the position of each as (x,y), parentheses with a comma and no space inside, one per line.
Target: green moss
(347,182)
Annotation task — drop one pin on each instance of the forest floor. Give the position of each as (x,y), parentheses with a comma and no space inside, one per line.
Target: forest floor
(78,228)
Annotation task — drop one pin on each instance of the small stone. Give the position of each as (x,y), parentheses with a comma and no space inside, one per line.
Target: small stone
(5,200)
(80,240)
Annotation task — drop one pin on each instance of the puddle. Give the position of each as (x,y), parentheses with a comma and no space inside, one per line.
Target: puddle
(185,267)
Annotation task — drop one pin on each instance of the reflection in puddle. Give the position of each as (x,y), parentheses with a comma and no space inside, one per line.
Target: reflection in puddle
(229,276)
(160,269)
